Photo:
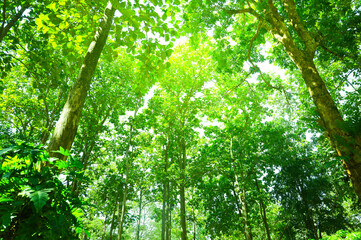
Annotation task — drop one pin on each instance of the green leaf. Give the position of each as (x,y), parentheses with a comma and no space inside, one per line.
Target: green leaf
(63,151)
(6,219)
(60,164)
(40,197)
(5,199)
(169,52)
(77,164)
(5,150)
(7,175)
(52,6)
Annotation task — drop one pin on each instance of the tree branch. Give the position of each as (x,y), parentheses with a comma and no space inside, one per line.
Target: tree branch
(243,11)
(12,22)
(249,57)
(4,16)
(239,84)
(296,22)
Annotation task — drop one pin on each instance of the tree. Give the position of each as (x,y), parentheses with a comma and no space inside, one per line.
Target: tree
(179,105)
(192,141)
(295,28)
(67,125)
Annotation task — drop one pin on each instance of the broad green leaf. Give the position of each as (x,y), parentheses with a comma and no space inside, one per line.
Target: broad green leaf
(5,150)
(6,219)
(61,164)
(40,197)
(5,199)
(52,6)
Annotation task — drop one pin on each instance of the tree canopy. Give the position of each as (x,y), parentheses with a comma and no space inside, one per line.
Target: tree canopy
(180,119)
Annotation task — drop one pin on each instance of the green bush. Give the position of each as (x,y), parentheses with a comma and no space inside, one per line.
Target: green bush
(344,234)
(34,201)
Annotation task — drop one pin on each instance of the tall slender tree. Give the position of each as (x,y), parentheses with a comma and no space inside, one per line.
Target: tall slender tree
(67,124)
(303,37)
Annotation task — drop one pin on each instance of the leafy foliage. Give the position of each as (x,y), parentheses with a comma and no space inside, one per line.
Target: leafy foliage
(217,148)
(34,198)
(343,234)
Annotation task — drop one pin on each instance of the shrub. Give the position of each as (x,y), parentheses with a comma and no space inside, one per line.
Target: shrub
(344,234)
(35,203)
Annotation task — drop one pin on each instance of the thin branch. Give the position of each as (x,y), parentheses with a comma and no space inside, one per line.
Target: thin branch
(253,39)
(4,16)
(308,40)
(12,22)
(239,84)
(246,122)
(249,57)
(332,52)
(340,57)
(243,11)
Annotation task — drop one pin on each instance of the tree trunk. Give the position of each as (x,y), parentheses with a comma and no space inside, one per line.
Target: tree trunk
(127,168)
(308,216)
(168,214)
(241,193)
(182,160)
(116,209)
(164,220)
(241,202)
(183,212)
(347,146)
(263,212)
(122,211)
(247,225)
(67,124)
(104,227)
(139,213)
(283,232)
(165,194)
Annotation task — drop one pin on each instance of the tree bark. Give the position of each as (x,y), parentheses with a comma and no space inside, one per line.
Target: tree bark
(247,226)
(67,124)
(241,202)
(308,216)
(347,146)
(164,212)
(183,212)
(283,232)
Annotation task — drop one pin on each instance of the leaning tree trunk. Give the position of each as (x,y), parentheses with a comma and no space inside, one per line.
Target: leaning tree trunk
(348,147)
(67,124)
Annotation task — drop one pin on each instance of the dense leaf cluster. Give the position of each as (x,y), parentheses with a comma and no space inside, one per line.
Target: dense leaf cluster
(35,201)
